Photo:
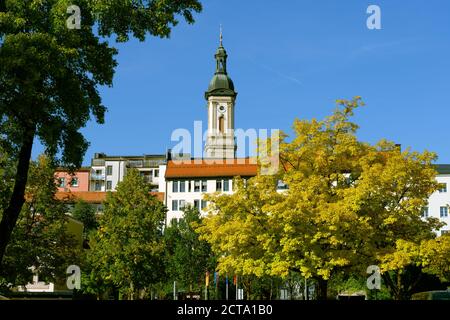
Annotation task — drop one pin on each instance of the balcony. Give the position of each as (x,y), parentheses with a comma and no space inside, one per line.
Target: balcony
(134,163)
(98,162)
(96,176)
(153,163)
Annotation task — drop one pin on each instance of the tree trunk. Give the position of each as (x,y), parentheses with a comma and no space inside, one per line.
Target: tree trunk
(11,213)
(271,288)
(322,289)
(398,289)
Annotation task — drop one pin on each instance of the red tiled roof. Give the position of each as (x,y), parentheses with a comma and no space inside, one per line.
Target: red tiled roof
(82,169)
(244,167)
(93,196)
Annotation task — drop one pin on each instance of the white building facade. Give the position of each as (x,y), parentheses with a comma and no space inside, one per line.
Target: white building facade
(439,201)
(187,182)
(108,171)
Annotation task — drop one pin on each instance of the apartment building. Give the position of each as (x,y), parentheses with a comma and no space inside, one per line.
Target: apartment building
(76,182)
(188,181)
(439,201)
(107,171)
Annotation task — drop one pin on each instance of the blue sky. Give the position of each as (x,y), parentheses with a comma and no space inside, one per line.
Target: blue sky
(287,59)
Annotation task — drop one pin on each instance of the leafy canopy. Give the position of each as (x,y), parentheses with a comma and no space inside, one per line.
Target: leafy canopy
(50,73)
(348,204)
(42,239)
(189,258)
(85,213)
(127,251)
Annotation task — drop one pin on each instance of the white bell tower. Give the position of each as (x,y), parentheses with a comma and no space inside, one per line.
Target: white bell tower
(221,98)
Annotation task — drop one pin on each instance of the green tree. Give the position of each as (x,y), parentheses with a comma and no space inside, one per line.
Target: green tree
(85,213)
(41,239)
(189,258)
(50,74)
(127,251)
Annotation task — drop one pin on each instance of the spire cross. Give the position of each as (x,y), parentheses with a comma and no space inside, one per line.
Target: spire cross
(221,35)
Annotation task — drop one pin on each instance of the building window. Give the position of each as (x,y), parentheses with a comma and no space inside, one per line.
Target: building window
(174,186)
(197,204)
(197,186)
(61,182)
(98,187)
(442,187)
(182,204)
(109,185)
(74,182)
(425,212)
(156,173)
(204,185)
(109,170)
(182,186)
(221,124)
(444,212)
(226,185)
(223,185)
(98,172)
(189,186)
(174,205)
(204,204)
(218,185)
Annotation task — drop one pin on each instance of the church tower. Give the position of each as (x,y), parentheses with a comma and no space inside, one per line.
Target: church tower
(220,142)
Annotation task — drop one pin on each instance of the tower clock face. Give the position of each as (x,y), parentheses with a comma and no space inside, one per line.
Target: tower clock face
(221,109)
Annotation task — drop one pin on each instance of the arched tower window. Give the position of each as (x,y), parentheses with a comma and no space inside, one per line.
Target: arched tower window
(221,124)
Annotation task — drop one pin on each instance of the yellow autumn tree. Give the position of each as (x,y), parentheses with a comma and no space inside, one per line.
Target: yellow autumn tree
(435,257)
(347,205)
(239,227)
(409,260)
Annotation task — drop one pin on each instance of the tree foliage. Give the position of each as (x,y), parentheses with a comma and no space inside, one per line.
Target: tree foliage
(240,229)
(127,251)
(50,74)
(189,258)
(85,213)
(41,239)
(347,205)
